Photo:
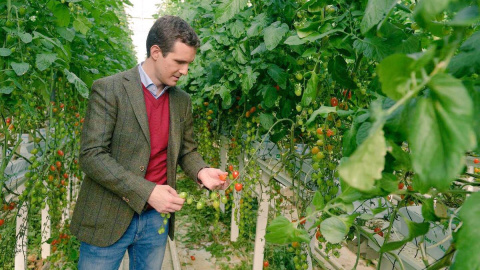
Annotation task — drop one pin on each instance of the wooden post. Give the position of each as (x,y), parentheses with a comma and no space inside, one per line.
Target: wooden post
(45,232)
(223,164)
(21,233)
(262,220)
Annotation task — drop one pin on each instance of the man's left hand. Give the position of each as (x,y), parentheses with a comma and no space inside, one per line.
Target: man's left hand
(210,178)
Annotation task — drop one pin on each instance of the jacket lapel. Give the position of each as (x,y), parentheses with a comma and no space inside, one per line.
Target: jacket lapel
(173,134)
(133,87)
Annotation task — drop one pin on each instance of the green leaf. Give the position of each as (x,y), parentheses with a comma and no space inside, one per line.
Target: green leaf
(428,210)
(266,120)
(282,231)
(365,165)
(426,10)
(79,84)
(227,9)
(467,239)
(61,14)
(466,17)
(45,60)
(318,201)
(259,22)
(274,34)
(5,51)
(335,228)
(270,97)
(248,79)
(338,68)
(237,29)
(226,96)
(467,61)
(82,25)
(25,37)
(394,73)
(323,111)
(20,68)
(363,132)
(239,56)
(7,89)
(67,33)
(278,75)
(349,140)
(441,132)
(373,48)
(375,12)
(294,40)
(310,93)
(402,158)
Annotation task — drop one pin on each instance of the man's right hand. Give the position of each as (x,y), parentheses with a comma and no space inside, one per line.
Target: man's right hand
(165,199)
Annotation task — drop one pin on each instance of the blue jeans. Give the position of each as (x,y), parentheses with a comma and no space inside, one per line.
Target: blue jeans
(146,247)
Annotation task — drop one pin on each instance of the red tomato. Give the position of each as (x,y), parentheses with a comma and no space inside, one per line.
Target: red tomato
(235,174)
(58,164)
(303,220)
(60,153)
(476,161)
(8,120)
(192,258)
(334,101)
(238,187)
(223,177)
(277,87)
(265,264)
(401,185)
(318,234)
(230,167)
(2,221)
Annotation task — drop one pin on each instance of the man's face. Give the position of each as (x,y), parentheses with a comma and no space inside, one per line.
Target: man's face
(170,68)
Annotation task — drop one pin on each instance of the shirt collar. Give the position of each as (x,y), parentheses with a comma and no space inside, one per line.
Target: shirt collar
(148,83)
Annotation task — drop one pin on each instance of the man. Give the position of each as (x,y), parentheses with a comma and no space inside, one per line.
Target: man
(138,127)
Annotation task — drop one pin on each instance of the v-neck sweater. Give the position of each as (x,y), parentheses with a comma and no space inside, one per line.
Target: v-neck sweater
(158,113)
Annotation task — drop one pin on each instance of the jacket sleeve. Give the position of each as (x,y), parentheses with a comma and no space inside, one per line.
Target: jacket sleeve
(96,154)
(189,159)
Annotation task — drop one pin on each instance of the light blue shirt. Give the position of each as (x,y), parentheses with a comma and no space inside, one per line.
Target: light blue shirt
(149,83)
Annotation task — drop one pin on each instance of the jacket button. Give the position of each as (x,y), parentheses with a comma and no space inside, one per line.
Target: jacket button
(125,199)
(142,168)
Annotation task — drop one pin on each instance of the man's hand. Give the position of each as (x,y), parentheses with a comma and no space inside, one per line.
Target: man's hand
(210,178)
(165,199)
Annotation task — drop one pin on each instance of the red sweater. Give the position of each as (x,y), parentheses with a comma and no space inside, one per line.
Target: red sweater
(158,113)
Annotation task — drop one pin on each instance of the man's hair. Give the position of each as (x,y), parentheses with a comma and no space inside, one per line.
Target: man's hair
(168,29)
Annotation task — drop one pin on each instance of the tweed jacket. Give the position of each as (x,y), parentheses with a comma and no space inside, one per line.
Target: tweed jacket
(114,155)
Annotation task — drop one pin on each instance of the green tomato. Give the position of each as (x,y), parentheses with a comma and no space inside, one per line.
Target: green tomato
(189,200)
(183,195)
(224,199)
(200,205)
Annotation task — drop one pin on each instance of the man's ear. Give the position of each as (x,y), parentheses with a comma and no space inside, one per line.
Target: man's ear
(155,52)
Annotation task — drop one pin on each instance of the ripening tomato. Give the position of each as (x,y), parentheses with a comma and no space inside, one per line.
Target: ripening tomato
(223,177)
(2,221)
(238,187)
(401,185)
(277,87)
(8,120)
(329,133)
(58,164)
(303,220)
(318,234)
(334,101)
(230,167)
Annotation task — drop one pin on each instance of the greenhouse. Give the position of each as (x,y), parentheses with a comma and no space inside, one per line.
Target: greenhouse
(240,134)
